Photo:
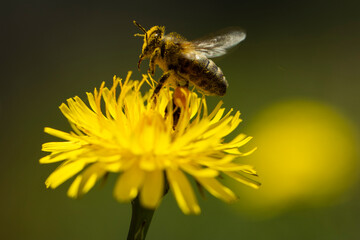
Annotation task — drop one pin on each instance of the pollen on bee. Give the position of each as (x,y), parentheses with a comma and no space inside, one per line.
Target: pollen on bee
(181,94)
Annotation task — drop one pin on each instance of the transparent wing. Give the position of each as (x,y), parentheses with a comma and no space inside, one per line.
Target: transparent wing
(217,44)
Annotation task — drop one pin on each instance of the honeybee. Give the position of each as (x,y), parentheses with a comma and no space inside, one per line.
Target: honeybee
(185,62)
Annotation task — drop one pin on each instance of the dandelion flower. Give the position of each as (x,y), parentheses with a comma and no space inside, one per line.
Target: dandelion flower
(148,142)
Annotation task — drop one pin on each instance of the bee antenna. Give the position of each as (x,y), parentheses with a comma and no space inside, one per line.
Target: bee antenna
(142,29)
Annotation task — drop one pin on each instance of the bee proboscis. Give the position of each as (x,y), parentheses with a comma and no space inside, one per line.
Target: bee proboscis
(185,62)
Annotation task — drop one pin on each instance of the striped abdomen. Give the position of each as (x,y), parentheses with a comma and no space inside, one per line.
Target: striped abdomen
(203,73)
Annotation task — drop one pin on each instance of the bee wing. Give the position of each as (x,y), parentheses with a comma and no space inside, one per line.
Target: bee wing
(217,44)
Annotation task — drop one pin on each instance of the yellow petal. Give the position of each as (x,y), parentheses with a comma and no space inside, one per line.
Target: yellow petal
(238,138)
(91,101)
(198,171)
(128,184)
(236,120)
(191,134)
(232,151)
(239,143)
(59,134)
(249,152)
(218,128)
(211,161)
(63,173)
(234,167)
(114,167)
(214,187)
(110,102)
(249,170)
(215,111)
(74,187)
(60,146)
(87,180)
(153,189)
(82,108)
(194,105)
(67,112)
(183,192)
(218,115)
(60,156)
(240,178)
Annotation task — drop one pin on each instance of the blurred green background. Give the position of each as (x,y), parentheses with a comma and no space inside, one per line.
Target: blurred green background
(295,79)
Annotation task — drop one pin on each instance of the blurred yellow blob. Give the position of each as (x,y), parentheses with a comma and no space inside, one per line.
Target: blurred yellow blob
(306,155)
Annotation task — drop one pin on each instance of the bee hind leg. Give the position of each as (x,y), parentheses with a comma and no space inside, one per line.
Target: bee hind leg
(183,82)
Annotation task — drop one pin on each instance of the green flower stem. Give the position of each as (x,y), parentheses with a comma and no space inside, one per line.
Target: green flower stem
(140,220)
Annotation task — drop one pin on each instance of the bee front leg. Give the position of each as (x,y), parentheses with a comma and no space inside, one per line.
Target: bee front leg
(153,57)
(141,57)
(162,81)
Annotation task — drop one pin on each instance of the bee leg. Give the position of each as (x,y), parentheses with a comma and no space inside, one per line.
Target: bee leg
(140,60)
(161,83)
(187,84)
(153,57)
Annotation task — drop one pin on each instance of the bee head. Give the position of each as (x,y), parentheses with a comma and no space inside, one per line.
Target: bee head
(152,38)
